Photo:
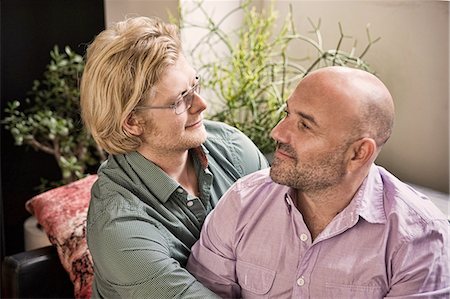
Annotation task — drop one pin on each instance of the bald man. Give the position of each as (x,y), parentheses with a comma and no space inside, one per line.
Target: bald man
(325,221)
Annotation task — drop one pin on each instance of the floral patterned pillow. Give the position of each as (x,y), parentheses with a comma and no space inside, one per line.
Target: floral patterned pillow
(62,213)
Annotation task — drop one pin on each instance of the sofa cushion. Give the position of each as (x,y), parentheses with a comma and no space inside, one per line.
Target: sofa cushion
(62,213)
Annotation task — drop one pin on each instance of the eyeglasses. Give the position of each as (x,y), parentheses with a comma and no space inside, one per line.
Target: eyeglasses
(182,103)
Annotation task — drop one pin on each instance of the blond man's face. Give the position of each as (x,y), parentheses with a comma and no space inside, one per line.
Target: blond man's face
(164,130)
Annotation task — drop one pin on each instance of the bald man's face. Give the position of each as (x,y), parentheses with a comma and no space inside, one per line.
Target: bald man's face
(314,137)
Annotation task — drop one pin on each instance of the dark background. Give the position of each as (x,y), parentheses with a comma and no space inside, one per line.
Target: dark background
(29,29)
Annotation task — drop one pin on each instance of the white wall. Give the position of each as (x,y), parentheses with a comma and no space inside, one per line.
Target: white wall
(412,58)
(117,10)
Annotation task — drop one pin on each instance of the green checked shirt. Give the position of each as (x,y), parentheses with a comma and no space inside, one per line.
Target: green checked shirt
(141,223)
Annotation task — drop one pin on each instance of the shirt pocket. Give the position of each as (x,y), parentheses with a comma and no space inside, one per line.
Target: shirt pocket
(254,278)
(337,290)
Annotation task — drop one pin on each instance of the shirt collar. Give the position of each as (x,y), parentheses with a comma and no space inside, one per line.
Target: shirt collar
(153,177)
(200,153)
(289,198)
(157,181)
(368,201)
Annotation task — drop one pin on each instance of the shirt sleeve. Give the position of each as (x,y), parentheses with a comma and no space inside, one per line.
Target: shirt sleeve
(133,255)
(229,145)
(421,265)
(212,260)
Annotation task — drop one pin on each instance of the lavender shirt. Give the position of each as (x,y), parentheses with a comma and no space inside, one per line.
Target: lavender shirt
(390,241)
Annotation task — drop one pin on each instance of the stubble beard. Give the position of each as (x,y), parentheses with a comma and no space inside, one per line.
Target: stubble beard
(169,142)
(194,139)
(316,174)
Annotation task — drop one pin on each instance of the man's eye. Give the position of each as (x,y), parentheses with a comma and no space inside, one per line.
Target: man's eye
(303,125)
(179,102)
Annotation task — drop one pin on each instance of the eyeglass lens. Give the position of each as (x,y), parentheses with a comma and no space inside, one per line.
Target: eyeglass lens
(186,102)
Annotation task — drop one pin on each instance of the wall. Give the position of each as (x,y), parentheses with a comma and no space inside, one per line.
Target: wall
(29,30)
(412,58)
(117,10)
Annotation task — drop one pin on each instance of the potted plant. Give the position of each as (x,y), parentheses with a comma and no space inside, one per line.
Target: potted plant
(251,70)
(49,120)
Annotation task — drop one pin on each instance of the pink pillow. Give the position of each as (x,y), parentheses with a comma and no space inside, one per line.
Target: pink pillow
(62,213)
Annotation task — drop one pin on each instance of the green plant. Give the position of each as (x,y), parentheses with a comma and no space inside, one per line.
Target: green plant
(50,121)
(250,69)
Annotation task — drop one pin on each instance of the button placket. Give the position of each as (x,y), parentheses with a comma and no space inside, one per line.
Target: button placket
(301,281)
(194,204)
(304,237)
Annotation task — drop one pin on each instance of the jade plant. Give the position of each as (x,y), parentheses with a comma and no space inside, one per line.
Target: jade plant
(49,119)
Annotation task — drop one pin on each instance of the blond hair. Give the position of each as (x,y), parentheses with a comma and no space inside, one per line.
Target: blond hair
(123,64)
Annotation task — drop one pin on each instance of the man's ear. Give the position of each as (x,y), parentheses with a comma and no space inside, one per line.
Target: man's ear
(362,152)
(132,125)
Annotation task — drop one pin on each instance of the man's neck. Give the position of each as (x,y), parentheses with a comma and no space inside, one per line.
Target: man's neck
(319,208)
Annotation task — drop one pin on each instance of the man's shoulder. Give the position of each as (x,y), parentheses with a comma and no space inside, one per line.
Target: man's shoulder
(216,129)
(407,207)
(255,180)
(252,192)
(232,150)
(258,187)
(108,195)
(113,192)
(222,138)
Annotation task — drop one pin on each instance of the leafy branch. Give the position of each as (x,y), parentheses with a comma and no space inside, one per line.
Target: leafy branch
(49,120)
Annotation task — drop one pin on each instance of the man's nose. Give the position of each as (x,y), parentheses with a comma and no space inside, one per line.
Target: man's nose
(280,132)
(198,103)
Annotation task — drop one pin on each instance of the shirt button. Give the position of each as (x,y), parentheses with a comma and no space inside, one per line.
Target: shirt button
(301,281)
(180,190)
(303,237)
(190,203)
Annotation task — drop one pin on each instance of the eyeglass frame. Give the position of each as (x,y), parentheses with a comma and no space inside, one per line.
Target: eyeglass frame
(181,98)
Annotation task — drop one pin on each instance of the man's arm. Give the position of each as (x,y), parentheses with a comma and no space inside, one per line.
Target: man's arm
(212,260)
(133,255)
(420,267)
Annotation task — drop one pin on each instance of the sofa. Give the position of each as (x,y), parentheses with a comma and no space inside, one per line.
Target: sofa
(64,270)
(35,274)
